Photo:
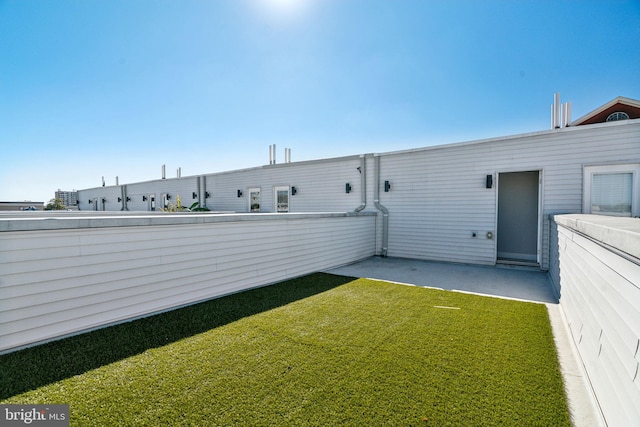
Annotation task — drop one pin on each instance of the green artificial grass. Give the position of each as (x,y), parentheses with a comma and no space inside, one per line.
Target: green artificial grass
(319,350)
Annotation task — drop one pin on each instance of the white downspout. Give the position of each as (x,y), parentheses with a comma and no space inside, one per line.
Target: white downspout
(199,192)
(363,183)
(204,191)
(385,211)
(123,196)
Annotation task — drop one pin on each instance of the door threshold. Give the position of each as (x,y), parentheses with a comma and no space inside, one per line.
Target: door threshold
(518,263)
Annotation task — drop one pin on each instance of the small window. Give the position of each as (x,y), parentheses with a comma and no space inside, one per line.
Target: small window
(254,199)
(618,115)
(281,196)
(612,190)
(611,193)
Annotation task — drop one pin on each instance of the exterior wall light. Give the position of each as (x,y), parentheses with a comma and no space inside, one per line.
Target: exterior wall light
(194,195)
(119,199)
(387,186)
(239,193)
(489,182)
(128,199)
(144,198)
(347,188)
(294,191)
(207,194)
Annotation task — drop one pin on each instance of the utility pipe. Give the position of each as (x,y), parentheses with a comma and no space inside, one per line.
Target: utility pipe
(385,211)
(123,195)
(204,191)
(363,183)
(198,190)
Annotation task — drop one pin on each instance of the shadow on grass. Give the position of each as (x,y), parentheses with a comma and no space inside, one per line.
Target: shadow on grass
(34,367)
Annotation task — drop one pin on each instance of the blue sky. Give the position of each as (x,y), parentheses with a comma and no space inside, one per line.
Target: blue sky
(92,88)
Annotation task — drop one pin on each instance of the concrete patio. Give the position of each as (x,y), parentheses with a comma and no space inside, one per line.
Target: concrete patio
(503,281)
(510,282)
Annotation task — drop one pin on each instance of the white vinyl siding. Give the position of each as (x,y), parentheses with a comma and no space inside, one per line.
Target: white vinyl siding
(438,195)
(600,296)
(320,184)
(57,282)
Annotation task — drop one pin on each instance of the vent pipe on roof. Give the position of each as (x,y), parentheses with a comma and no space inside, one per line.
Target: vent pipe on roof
(272,154)
(117,181)
(556,112)
(164,171)
(566,114)
(287,155)
(179,172)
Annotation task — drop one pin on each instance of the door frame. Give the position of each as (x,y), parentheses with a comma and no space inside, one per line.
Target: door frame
(254,190)
(540,221)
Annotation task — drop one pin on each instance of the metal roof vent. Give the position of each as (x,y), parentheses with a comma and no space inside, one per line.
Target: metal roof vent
(618,115)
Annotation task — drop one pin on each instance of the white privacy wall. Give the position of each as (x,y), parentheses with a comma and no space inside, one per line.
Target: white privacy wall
(61,275)
(599,282)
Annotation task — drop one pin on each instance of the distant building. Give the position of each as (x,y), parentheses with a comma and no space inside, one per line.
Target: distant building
(21,206)
(69,198)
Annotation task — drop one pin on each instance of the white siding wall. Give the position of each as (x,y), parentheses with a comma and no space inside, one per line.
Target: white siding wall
(600,296)
(438,195)
(60,281)
(320,186)
(109,194)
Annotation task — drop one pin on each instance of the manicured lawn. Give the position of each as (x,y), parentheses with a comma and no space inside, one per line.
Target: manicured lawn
(319,350)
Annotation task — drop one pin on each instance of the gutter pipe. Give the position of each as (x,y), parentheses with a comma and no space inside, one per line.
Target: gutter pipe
(363,183)
(198,191)
(204,191)
(123,196)
(381,208)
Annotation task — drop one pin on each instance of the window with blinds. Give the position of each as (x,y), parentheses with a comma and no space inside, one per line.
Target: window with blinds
(611,193)
(612,190)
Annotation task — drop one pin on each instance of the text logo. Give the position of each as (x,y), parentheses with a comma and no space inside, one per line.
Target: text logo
(34,415)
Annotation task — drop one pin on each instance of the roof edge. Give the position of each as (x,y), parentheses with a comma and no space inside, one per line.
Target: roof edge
(620,99)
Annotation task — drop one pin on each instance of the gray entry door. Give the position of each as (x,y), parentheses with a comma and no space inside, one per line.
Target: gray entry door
(518,216)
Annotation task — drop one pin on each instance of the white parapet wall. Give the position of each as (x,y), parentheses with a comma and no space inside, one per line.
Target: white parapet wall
(62,274)
(598,276)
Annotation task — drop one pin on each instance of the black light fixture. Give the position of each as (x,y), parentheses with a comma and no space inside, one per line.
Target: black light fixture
(489,182)
(90,201)
(239,193)
(294,190)
(168,196)
(119,199)
(387,186)
(144,198)
(128,199)
(194,195)
(347,188)
(207,194)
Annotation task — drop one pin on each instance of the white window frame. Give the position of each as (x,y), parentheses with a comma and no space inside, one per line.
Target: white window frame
(633,168)
(254,190)
(275,198)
